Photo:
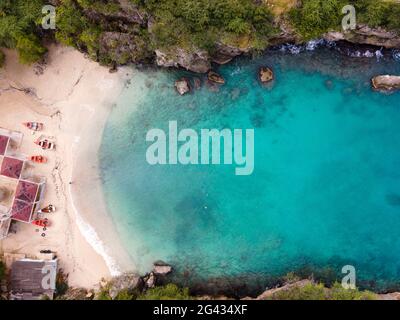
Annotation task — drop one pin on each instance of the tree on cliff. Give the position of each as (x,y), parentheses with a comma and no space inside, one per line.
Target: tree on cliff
(19,28)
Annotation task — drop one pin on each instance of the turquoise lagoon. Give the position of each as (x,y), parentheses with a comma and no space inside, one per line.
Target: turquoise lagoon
(325,191)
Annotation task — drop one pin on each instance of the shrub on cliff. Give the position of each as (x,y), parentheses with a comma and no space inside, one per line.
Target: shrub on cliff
(104,7)
(70,23)
(19,28)
(198,23)
(315,17)
(312,18)
(168,292)
(379,13)
(29,48)
(125,295)
(317,291)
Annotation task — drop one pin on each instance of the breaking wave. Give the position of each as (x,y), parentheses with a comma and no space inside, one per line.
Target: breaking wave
(351,51)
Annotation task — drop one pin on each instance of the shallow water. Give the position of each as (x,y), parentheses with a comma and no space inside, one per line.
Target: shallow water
(325,191)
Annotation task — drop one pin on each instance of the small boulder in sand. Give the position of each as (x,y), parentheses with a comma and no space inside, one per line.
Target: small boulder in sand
(182,86)
(265,74)
(386,83)
(215,77)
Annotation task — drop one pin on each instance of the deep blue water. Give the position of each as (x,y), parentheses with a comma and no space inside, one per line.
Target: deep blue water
(325,191)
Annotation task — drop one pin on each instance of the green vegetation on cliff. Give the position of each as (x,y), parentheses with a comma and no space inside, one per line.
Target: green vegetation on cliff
(317,291)
(19,28)
(115,32)
(200,23)
(315,17)
(112,33)
(379,13)
(168,292)
(312,18)
(294,291)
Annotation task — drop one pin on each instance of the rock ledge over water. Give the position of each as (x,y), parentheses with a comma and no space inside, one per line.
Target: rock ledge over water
(386,83)
(215,77)
(182,86)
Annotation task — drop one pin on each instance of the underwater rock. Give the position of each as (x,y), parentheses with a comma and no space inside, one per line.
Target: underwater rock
(393,199)
(329,84)
(182,86)
(386,83)
(197,83)
(235,93)
(215,77)
(265,74)
(213,87)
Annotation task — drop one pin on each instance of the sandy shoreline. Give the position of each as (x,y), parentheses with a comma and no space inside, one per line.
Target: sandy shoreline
(72,96)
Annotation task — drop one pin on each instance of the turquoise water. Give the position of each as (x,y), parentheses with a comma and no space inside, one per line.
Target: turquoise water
(325,191)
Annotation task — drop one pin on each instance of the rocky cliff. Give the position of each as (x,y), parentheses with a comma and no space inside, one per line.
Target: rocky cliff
(366,35)
(200,60)
(128,33)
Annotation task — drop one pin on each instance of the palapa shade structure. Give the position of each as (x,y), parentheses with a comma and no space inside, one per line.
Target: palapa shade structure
(25,201)
(12,167)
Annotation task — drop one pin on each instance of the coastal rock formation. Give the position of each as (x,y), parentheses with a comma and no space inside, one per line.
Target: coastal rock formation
(200,60)
(128,281)
(150,280)
(386,83)
(122,48)
(215,77)
(265,74)
(161,268)
(268,294)
(182,86)
(286,34)
(364,34)
(132,13)
(224,53)
(127,15)
(196,61)
(390,296)
(77,294)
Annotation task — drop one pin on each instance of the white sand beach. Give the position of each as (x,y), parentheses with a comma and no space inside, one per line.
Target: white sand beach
(72,96)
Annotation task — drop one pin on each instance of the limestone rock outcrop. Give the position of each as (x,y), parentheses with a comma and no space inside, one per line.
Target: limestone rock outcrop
(182,86)
(364,34)
(386,83)
(197,61)
(265,74)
